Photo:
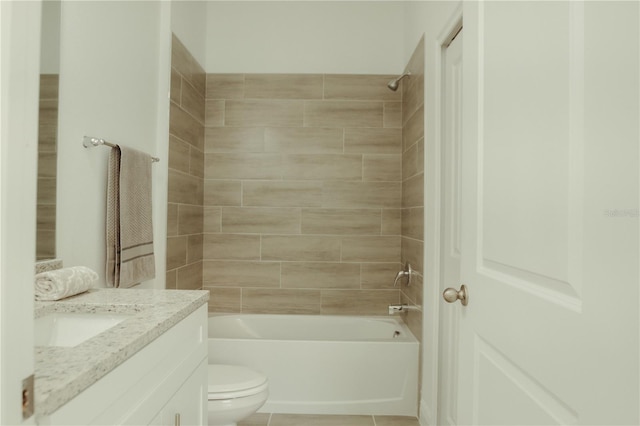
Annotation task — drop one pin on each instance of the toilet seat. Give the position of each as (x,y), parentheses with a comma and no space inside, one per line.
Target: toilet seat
(234,381)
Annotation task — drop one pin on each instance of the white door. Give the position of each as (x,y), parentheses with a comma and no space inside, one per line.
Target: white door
(550,214)
(19,73)
(450,228)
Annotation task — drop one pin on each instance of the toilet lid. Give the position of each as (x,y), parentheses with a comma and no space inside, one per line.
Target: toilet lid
(233,381)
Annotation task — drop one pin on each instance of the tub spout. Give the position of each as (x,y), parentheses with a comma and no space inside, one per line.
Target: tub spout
(398,309)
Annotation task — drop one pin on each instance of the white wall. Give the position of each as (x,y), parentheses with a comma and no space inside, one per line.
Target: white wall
(188,22)
(50,38)
(113,85)
(430,18)
(305,37)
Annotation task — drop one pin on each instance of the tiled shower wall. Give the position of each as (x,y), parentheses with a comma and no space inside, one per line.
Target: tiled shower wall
(47,160)
(186,171)
(303,192)
(413,185)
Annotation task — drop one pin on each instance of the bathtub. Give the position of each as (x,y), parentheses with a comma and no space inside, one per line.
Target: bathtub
(323,364)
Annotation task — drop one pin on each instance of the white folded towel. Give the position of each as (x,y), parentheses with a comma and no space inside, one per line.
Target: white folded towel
(65,282)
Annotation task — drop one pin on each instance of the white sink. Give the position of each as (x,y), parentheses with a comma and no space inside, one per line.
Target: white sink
(71,329)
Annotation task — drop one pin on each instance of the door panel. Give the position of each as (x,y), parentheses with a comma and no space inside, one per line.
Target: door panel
(542,341)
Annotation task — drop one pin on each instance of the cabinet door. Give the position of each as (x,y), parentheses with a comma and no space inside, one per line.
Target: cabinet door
(188,406)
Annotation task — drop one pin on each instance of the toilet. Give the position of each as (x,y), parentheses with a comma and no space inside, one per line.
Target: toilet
(235,392)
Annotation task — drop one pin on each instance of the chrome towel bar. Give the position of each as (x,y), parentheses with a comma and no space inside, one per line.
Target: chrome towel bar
(90,142)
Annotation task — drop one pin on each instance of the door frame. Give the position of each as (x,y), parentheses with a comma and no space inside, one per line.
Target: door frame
(432,226)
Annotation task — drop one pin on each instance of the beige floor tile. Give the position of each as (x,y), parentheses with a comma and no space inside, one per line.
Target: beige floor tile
(396,421)
(319,420)
(257,419)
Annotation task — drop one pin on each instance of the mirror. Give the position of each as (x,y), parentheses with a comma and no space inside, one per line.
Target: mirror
(48,131)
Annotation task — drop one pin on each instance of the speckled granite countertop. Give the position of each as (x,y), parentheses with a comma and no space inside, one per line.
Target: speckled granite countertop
(61,373)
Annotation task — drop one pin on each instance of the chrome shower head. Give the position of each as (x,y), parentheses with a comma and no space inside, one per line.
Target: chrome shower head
(395,83)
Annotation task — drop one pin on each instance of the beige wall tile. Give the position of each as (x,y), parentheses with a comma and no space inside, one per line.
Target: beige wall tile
(172,219)
(251,220)
(190,219)
(45,244)
(414,292)
(46,190)
(196,164)
(320,275)
(186,65)
(175,92)
(413,223)
(179,156)
(190,277)
(342,114)
(413,319)
(192,101)
(362,194)
(300,248)
(49,85)
(46,217)
(391,222)
(234,139)
(231,247)
(212,219)
(382,168)
(413,130)
(341,221)
(322,166)
(224,299)
(392,115)
(47,165)
(359,87)
(410,161)
(282,193)
(185,127)
(279,301)
(243,166)
(371,249)
(303,140)
(214,113)
(379,275)
(185,189)
(176,252)
(230,273)
(48,125)
(283,86)
(358,302)
(222,192)
(412,252)
(373,141)
(194,248)
(171,280)
(252,113)
(225,86)
(413,191)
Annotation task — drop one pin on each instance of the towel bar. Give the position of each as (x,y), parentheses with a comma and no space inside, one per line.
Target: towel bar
(90,142)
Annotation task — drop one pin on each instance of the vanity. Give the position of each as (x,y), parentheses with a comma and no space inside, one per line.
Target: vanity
(122,356)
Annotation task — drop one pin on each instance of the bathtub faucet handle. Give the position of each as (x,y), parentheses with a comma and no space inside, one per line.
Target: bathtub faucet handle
(405,273)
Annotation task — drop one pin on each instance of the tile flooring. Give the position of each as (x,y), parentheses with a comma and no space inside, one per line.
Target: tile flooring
(266,419)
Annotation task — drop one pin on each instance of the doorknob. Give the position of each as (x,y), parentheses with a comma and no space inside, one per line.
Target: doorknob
(451,295)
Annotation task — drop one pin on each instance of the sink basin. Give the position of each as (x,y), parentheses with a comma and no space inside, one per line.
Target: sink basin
(71,329)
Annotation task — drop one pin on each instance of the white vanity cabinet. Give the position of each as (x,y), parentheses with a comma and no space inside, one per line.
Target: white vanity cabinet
(164,383)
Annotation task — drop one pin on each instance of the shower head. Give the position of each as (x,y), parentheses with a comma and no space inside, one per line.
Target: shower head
(395,83)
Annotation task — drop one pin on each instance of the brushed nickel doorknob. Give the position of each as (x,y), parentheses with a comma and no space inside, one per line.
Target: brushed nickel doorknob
(451,295)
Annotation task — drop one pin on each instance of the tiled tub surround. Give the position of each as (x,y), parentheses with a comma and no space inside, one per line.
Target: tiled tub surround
(47,163)
(61,373)
(302,193)
(186,171)
(412,217)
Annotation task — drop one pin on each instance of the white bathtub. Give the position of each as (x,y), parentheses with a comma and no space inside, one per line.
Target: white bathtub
(323,364)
